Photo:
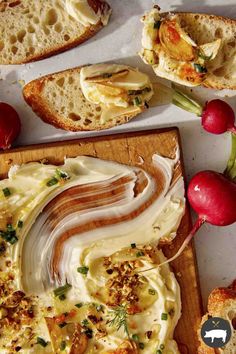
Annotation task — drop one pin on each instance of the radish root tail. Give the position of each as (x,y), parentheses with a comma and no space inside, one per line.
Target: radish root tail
(200,221)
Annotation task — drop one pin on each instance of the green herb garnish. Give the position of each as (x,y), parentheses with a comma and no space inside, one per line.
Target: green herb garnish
(203,56)
(63,345)
(141,345)
(99,308)
(152,291)
(6,192)
(164,316)
(88,332)
(42,342)
(135,337)
(62,174)
(85,322)
(20,224)
(119,319)
(83,270)
(199,68)
(137,101)
(159,351)
(79,305)
(133,245)
(63,324)
(139,254)
(61,291)
(9,235)
(52,182)
(157,24)
(106,75)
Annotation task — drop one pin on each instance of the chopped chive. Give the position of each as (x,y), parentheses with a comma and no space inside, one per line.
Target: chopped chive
(106,75)
(203,56)
(158,351)
(162,346)
(85,322)
(157,24)
(42,342)
(137,101)
(139,254)
(133,245)
(62,290)
(62,297)
(63,345)
(62,174)
(10,227)
(63,324)
(13,240)
(164,316)
(6,192)
(141,345)
(83,270)
(52,182)
(152,291)
(88,332)
(199,68)
(135,337)
(20,224)
(79,305)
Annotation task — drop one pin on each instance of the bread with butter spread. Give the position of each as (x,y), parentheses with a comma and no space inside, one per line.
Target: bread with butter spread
(93,97)
(32,30)
(191,49)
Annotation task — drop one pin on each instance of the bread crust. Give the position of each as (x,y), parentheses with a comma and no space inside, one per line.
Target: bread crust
(219,301)
(53,50)
(211,81)
(32,94)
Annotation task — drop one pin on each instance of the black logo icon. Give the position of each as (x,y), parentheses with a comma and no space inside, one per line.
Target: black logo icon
(216,332)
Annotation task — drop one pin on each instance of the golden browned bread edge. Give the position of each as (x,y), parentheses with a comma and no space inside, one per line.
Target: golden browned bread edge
(32,95)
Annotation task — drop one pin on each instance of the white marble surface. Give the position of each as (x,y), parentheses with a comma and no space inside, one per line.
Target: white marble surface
(120,40)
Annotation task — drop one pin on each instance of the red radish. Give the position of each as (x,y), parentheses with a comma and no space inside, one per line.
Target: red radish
(218,117)
(213,197)
(10,125)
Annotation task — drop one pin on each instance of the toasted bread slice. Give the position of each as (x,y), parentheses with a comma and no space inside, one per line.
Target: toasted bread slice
(222,303)
(58,100)
(206,31)
(32,30)
(205,28)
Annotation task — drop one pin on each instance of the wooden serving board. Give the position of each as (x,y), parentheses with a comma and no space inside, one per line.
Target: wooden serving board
(134,149)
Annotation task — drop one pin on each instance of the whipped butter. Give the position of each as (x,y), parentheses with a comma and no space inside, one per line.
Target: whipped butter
(82,12)
(125,206)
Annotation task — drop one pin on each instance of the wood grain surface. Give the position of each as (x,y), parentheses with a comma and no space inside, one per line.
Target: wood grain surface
(135,149)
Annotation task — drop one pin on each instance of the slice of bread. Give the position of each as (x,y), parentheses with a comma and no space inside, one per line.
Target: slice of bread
(58,100)
(205,28)
(32,30)
(222,303)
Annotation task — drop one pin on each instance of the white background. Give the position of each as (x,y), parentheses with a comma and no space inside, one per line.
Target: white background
(216,247)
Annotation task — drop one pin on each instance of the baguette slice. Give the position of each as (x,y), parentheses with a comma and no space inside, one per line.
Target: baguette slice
(58,100)
(32,30)
(222,303)
(205,28)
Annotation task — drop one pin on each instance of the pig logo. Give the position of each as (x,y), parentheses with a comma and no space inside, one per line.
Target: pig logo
(216,332)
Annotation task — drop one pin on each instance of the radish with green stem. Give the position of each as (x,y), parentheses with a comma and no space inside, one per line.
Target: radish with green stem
(213,197)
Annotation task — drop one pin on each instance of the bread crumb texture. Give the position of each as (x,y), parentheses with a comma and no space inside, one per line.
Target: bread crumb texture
(31,30)
(58,100)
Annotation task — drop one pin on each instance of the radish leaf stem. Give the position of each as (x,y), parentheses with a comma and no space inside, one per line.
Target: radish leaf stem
(185,102)
(230,171)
